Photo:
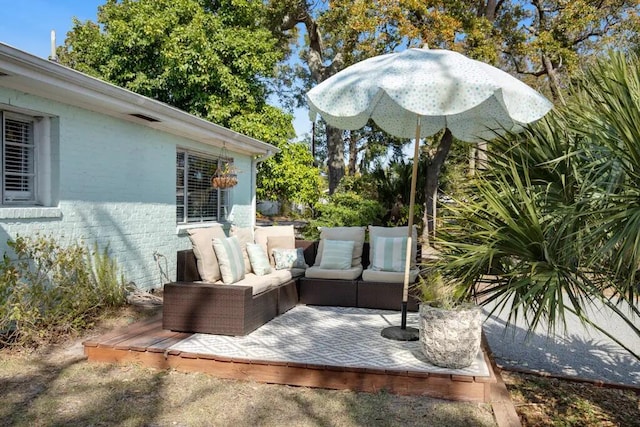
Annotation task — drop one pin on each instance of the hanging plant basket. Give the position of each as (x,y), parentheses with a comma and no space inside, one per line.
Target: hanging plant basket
(223,180)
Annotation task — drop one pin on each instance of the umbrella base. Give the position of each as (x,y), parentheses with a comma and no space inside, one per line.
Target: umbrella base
(399,334)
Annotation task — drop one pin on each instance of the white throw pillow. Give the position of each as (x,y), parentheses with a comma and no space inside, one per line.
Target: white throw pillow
(259,261)
(244,235)
(337,254)
(230,258)
(389,254)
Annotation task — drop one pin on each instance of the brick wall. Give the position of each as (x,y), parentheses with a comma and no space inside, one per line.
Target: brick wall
(114,184)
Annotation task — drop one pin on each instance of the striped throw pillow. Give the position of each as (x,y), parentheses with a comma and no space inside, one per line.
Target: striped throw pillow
(389,254)
(259,261)
(337,254)
(230,258)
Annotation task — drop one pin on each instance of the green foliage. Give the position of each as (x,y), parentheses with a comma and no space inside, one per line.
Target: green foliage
(606,113)
(50,290)
(212,59)
(344,209)
(554,223)
(289,176)
(439,291)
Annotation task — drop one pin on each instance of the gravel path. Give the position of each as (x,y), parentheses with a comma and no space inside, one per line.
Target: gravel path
(581,352)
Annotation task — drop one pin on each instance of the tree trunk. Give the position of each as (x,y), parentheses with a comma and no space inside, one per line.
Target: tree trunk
(353,153)
(554,82)
(335,157)
(434,166)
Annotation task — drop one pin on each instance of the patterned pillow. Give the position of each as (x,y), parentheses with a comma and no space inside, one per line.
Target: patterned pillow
(337,254)
(259,261)
(230,258)
(389,253)
(289,258)
(279,242)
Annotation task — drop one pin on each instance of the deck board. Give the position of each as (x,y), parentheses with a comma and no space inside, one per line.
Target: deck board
(147,343)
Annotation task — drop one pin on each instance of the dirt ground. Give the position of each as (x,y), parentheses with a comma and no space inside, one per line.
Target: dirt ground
(57,386)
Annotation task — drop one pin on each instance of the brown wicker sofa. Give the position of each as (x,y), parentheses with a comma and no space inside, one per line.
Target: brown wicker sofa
(355,293)
(209,308)
(233,310)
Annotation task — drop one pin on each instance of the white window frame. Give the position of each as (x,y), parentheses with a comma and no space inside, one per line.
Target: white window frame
(222,197)
(42,196)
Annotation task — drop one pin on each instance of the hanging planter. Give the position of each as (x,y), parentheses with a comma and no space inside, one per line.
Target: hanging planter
(224,177)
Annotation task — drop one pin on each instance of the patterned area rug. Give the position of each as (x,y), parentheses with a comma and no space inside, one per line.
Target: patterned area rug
(333,336)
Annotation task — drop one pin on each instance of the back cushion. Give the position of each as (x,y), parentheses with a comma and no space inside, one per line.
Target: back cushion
(354,234)
(202,243)
(262,234)
(403,231)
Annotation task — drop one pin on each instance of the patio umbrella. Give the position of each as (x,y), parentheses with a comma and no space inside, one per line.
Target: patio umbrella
(418,92)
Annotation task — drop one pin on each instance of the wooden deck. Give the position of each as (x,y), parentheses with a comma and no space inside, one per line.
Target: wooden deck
(147,343)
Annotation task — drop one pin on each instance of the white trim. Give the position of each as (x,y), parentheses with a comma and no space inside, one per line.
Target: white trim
(37,76)
(29,212)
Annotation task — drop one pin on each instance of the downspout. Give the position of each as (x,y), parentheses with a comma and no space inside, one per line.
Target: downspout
(254,182)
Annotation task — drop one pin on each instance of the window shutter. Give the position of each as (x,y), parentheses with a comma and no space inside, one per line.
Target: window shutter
(18,160)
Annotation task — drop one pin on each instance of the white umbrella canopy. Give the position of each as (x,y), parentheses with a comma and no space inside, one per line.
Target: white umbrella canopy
(445,89)
(417,93)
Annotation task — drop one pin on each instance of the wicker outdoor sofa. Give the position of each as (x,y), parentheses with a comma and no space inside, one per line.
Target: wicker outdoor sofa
(193,306)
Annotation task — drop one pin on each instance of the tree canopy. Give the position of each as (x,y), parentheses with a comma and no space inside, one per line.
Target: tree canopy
(211,58)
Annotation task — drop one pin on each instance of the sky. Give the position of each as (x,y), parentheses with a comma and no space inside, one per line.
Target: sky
(27,25)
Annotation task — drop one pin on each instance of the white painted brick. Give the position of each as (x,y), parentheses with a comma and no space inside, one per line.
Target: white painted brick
(117,188)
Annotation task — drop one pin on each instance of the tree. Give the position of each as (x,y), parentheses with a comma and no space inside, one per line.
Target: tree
(344,32)
(556,36)
(210,58)
(540,39)
(290,176)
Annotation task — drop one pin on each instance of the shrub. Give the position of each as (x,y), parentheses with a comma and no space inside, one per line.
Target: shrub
(49,290)
(344,209)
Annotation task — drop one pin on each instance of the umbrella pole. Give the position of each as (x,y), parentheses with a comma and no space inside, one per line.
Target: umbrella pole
(403,333)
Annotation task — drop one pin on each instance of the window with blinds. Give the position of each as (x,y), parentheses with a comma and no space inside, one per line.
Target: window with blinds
(196,199)
(18,159)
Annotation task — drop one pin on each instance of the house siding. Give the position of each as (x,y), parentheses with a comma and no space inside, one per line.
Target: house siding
(113,182)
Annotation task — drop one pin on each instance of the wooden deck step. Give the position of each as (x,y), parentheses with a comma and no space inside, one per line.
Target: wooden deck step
(147,343)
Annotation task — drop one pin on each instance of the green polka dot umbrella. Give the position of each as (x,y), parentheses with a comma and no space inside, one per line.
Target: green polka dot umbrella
(444,89)
(418,92)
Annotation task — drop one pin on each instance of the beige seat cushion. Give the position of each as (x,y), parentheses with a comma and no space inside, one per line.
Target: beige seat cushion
(258,284)
(355,234)
(375,231)
(202,244)
(278,277)
(369,275)
(244,235)
(261,235)
(320,273)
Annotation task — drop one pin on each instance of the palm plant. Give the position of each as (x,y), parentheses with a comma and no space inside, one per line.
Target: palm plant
(609,118)
(554,224)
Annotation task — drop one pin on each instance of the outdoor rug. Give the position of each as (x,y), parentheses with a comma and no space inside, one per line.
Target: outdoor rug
(332,336)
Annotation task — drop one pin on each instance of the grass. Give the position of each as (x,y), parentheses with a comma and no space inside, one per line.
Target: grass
(57,386)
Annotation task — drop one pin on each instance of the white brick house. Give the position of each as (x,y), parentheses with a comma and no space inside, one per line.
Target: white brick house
(84,159)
